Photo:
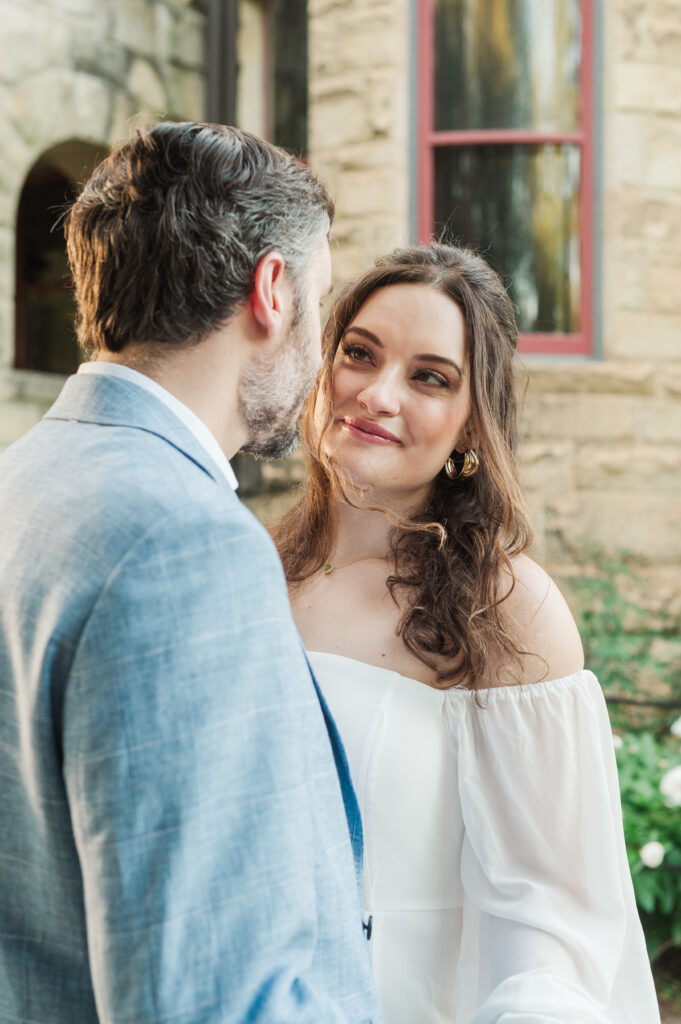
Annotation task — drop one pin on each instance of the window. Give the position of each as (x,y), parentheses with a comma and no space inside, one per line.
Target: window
(288,74)
(45,308)
(505,152)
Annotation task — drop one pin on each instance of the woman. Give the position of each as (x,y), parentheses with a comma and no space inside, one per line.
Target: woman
(495,869)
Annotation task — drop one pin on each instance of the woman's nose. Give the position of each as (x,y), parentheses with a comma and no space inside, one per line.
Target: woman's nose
(380,397)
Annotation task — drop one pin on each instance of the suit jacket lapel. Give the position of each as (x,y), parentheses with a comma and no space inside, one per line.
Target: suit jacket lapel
(347,789)
(110,401)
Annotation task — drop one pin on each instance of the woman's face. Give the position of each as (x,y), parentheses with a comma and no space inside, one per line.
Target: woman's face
(401,391)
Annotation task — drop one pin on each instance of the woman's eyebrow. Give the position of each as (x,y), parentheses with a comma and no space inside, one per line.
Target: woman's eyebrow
(431,358)
(365,334)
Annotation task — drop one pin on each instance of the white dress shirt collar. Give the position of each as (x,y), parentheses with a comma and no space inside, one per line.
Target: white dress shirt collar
(191,421)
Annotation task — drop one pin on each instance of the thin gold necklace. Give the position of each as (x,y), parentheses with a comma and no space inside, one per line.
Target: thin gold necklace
(329,568)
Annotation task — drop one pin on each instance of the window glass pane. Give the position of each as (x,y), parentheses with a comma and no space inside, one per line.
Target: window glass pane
(288,27)
(507,64)
(519,207)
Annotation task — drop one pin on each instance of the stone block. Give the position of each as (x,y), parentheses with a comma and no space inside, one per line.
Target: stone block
(103,57)
(643,335)
(16,159)
(664,422)
(16,418)
(648,467)
(31,43)
(626,277)
(126,117)
(665,291)
(348,261)
(644,525)
(370,155)
(643,150)
(337,121)
(186,94)
(643,214)
(590,377)
(330,84)
(382,233)
(660,589)
(547,467)
(647,31)
(648,87)
(185,37)
(135,26)
(627,148)
(672,381)
(250,95)
(147,87)
(664,158)
(371,193)
(61,104)
(585,417)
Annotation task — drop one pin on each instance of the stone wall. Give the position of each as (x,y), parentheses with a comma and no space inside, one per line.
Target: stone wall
(359,122)
(82,72)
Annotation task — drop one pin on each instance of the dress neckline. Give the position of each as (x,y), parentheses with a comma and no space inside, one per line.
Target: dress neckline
(367,666)
(495,692)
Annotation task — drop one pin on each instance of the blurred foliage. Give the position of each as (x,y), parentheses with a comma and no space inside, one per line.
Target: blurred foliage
(643,761)
(634,649)
(633,645)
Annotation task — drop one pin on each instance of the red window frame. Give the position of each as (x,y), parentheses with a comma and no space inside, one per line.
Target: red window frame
(428,139)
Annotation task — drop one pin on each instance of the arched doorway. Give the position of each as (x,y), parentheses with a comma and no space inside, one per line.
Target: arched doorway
(45,338)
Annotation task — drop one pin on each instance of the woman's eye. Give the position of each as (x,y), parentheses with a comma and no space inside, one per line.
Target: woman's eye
(357,352)
(431,377)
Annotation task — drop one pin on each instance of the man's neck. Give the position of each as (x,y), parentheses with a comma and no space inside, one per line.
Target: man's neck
(204,377)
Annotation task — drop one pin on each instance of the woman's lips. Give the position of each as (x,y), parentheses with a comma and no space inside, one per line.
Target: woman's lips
(364,430)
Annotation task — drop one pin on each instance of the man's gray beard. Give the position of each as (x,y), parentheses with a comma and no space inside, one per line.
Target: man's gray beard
(272,393)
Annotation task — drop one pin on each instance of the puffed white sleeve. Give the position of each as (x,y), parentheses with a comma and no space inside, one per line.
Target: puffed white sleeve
(551,934)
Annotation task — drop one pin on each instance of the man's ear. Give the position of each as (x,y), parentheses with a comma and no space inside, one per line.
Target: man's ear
(271,293)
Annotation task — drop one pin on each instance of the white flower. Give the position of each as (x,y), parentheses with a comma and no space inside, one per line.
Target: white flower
(617,741)
(670,787)
(675,727)
(652,854)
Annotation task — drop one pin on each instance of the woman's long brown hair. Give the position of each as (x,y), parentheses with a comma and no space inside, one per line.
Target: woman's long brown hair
(450,558)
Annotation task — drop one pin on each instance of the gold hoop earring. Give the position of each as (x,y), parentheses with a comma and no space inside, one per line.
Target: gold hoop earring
(471,465)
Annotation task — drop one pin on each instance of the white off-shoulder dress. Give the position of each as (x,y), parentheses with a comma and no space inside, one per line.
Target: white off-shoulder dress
(495,869)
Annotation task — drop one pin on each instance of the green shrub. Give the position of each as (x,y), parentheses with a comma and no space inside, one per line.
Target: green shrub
(636,653)
(650,783)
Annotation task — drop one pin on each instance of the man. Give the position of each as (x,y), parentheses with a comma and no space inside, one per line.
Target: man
(174,842)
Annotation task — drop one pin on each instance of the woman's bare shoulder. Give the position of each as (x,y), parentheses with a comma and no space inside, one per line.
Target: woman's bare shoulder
(537,617)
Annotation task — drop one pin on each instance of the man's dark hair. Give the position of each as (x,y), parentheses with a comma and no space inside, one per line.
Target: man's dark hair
(166,235)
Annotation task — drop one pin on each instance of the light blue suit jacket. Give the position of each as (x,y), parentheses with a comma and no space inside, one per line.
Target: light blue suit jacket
(174,842)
